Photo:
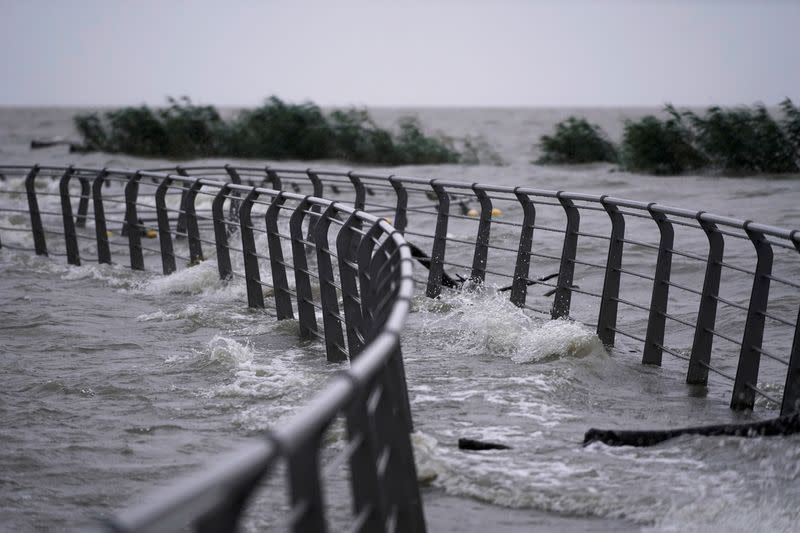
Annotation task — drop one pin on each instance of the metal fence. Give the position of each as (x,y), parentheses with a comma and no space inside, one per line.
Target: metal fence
(719,296)
(372,278)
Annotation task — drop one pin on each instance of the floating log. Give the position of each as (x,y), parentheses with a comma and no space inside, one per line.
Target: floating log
(783,425)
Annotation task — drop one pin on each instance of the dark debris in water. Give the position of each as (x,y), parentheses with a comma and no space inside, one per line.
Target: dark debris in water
(473,444)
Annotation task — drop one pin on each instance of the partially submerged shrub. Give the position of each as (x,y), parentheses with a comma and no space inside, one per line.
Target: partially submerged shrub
(734,141)
(743,140)
(654,146)
(413,146)
(275,130)
(278,130)
(576,141)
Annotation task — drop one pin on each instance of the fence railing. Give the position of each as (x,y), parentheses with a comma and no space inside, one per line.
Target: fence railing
(720,296)
(371,276)
(635,261)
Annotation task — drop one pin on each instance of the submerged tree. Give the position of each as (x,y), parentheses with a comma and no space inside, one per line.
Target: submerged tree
(576,141)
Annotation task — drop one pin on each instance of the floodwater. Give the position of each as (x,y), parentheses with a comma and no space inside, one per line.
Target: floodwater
(113,382)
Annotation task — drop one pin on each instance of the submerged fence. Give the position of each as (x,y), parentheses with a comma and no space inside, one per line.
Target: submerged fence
(372,277)
(718,295)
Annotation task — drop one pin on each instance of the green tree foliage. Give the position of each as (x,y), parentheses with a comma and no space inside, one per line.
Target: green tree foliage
(741,140)
(274,130)
(655,146)
(576,141)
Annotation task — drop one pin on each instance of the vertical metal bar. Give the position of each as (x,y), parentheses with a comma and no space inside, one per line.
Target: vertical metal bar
(563,292)
(180,227)
(607,317)
(70,236)
(233,210)
(83,203)
(131,226)
(750,355)
(164,233)
(255,296)
(221,234)
(274,179)
(400,212)
(305,489)
(656,321)
(401,475)
(479,258)
(100,226)
(365,484)
(519,287)
(37,229)
(707,312)
(347,249)
(305,307)
(434,287)
(332,326)
(360,190)
(316,183)
(791,391)
(365,281)
(192,230)
(283,298)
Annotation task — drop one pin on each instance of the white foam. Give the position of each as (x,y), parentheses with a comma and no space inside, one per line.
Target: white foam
(481,323)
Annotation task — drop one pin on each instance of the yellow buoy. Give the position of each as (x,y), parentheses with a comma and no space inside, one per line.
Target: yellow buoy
(109,234)
(472,212)
(496,212)
(151,234)
(388,219)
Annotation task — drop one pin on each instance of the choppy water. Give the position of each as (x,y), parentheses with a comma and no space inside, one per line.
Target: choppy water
(113,381)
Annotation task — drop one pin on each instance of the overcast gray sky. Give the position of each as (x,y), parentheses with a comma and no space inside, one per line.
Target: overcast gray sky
(400,53)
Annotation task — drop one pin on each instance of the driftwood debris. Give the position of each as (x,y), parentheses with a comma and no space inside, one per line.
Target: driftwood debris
(783,425)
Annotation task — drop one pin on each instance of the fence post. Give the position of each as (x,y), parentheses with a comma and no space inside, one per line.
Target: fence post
(180,227)
(192,230)
(707,313)
(400,212)
(316,183)
(274,179)
(365,280)
(221,234)
(283,298)
(654,338)
(347,249)
(100,227)
(305,299)
(255,296)
(304,484)
(479,258)
(331,321)
(434,288)
(131,226)
(563,292)
(743,396)
(400,476)
(607,318)
(360,190)
(365,483)
(233,209)
(164,233)
(83,203)
(37,229)
(791,391)
(519,287)
(70,236)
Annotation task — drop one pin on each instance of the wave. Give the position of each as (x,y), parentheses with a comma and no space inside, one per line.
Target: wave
(483,322)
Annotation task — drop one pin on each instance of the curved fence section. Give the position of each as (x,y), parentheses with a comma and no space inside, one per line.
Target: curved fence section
(719,296)
(333,253)
(713,299)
